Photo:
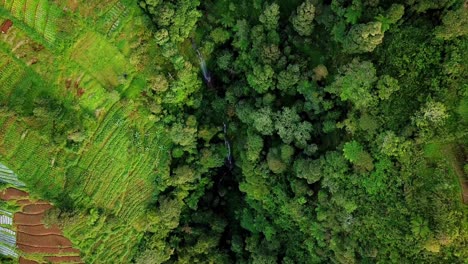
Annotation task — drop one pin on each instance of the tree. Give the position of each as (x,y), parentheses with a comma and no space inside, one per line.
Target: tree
(288,78)
(274,161)
(270,16)
(308,169)
(355,153)
(454,24)
(363,38)
(262,121)
(254,146)
(270,54)
(303,19)
(174,19)
(241,37)
(386,86)
(320,72)
(159,83)
(422,6)
(184,136)
(161,36)
(183,175)
(391,16)
(431,118)
(355,83)
(261,79)
(290,128)
(224,60)
(219,35)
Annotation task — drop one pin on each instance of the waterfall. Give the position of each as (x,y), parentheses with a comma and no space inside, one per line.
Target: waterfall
(228,147)
(207,77)
(206,73)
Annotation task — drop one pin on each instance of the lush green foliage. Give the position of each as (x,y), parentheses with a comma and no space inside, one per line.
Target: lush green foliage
(218,131)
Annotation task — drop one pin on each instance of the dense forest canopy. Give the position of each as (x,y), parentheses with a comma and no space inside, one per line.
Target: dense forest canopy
(288,131)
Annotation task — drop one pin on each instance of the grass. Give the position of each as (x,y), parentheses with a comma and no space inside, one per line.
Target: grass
(101,60)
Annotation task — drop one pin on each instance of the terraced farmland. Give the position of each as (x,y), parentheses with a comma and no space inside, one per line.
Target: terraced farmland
(31,240)
(109,156)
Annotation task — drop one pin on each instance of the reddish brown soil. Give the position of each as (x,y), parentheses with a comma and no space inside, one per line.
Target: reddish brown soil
(32,237)
(12,194)
(46,251)
(28,219)
(26,261)
(39,229)
(24,202)
(36,208)
(39,240)
(6,26)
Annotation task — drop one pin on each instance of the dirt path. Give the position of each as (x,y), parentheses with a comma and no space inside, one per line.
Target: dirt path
(458,157)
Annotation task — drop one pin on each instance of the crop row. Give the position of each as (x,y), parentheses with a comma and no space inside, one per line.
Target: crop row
(136,193)
(7,238)
(114,246)
(6,220)
(7,122)
(9,76)
(113,17)
(108,70)
(114,117)
(8,176)
(37,14)
(11,139)
(8,251)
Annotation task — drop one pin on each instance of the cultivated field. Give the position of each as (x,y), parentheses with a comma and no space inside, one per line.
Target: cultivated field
(81,57)
(34,242)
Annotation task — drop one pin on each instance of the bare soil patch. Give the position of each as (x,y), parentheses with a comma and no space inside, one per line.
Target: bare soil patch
(6,26)
(26,261)
(36,208)
(39,240)
(28,219)
(12,194)
(46,251)
(39,229)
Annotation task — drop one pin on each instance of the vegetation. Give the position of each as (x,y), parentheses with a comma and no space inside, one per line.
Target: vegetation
(220,131)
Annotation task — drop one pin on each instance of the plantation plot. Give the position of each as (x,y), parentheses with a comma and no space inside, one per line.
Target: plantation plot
(102,60)
(40,15)
(20,86)
(130,172)
(77,82)
(11,73)
(90,10)
(112,19)
(32,53)
(35,170)
(105,243)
